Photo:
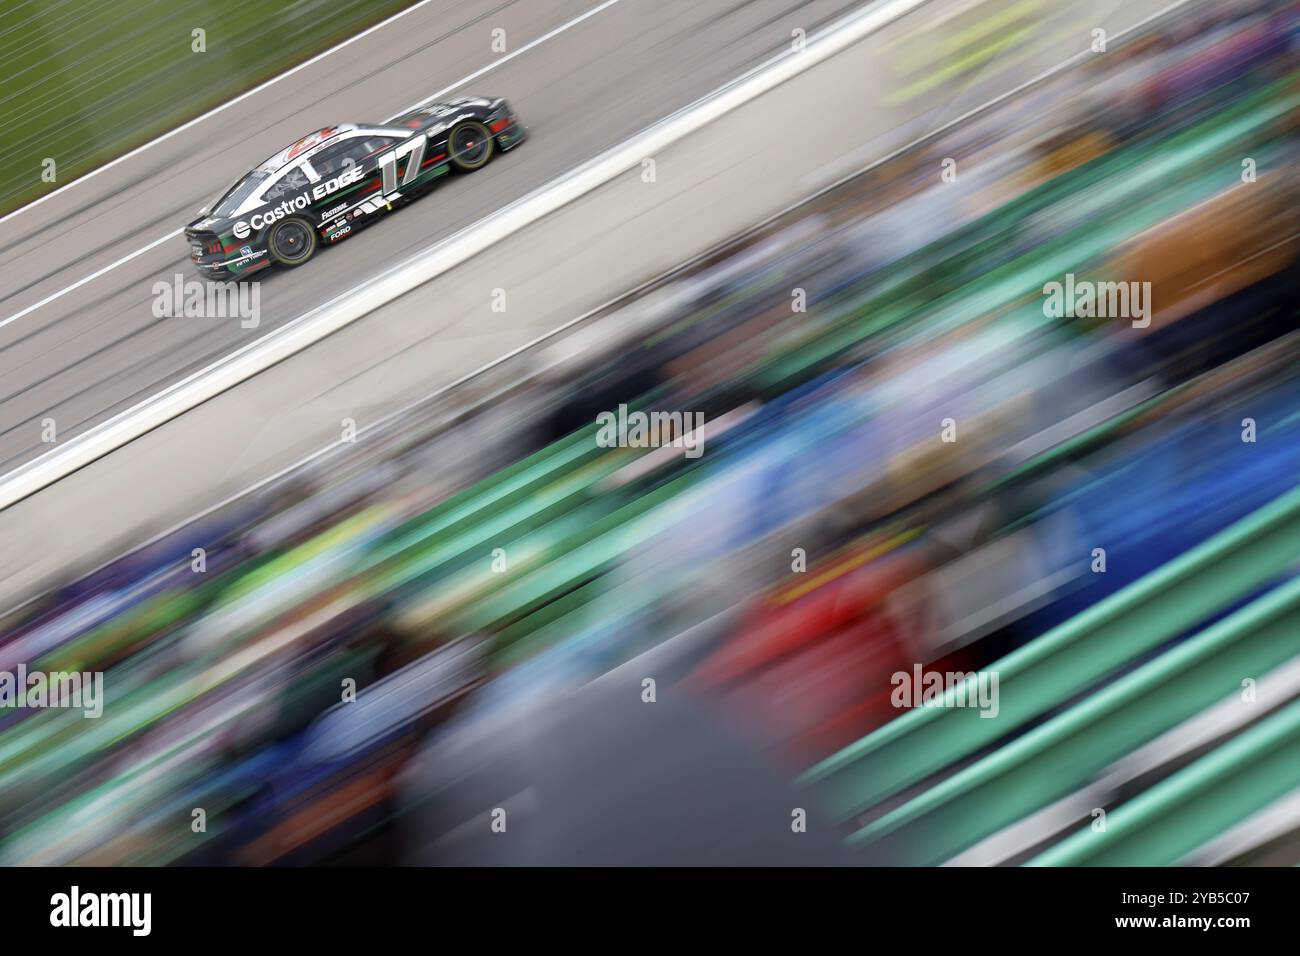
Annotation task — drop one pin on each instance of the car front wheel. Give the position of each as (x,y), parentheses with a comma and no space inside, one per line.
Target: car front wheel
(470,145)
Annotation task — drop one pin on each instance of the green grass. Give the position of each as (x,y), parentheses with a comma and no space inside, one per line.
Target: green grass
(84,81)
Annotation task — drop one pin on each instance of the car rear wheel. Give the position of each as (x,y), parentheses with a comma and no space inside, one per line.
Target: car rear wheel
(469,144)
(291,242)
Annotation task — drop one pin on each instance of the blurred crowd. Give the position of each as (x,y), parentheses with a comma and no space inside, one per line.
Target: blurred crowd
(483,621)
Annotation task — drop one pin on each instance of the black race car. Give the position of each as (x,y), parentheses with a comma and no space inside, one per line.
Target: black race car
(335,180)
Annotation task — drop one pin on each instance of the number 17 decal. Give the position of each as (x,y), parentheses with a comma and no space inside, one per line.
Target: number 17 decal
(388,163)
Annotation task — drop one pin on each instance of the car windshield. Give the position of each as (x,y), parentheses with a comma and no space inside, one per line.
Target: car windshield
(237,193)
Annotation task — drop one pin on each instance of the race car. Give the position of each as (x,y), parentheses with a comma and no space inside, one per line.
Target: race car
(332,182)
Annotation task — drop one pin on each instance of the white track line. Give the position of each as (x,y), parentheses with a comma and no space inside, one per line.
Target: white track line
(505,59)
(172,235)
(90,278)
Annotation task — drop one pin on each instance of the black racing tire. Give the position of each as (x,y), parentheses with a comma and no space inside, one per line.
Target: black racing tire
(292,242)
(470,145)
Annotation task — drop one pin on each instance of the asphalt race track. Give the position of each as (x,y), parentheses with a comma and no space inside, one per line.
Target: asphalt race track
(99,348)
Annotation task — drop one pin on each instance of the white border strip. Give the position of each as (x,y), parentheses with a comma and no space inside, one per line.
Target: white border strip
(307,329)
